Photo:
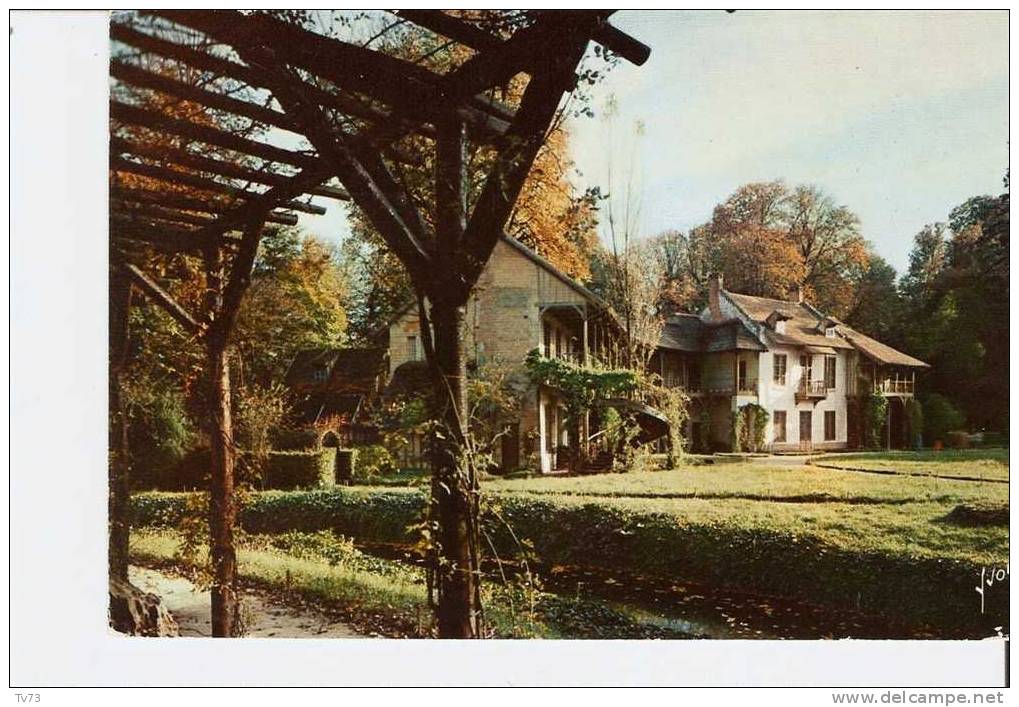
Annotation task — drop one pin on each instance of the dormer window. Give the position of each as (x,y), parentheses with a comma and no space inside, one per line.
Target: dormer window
(830,332)
(776,321)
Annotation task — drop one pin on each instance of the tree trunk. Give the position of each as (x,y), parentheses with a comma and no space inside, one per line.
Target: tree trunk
(454,490)
(221,485)
(119,463)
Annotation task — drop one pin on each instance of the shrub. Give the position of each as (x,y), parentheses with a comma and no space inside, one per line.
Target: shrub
(940,417)
(914,421)
(737,431)
(373,460)
(875,411)
(958,440)
(296,439)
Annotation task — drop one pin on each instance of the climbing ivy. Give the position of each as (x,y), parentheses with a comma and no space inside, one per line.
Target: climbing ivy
(755,426)
(582,387)
(875,409)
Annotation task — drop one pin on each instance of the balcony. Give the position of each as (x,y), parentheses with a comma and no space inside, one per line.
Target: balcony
(811,390)
(892,386)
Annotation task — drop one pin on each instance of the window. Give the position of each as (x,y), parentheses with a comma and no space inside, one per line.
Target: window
(829,425)
(779,426)
(319,375)
(547,331)
(805,365)
(829,372)
(741,375)
(413,348)
(780,364)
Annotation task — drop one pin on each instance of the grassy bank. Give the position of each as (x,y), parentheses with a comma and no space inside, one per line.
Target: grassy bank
(903,558)
(387,598)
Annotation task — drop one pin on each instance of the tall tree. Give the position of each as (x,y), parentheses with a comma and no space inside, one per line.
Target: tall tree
(877,306)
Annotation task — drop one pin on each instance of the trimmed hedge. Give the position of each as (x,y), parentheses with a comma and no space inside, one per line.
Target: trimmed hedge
(301,469)
(284,470)
(573,531)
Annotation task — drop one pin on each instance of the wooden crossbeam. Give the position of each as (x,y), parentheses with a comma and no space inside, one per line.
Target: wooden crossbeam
(527,48)
(173,176)
(137,76)
(218,66)
(380,202)
(220,167)
(454,28)
(257,208)
(409,89)
(142,117)
(155,208)
(536,112)
(162,236)
(176,201)
(613,39)
(160,297)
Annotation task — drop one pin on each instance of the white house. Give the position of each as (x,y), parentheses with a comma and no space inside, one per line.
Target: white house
(806,369)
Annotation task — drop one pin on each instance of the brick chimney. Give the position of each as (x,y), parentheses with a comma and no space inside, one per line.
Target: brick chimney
(715,287)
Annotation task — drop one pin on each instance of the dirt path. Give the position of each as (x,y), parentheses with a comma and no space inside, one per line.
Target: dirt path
(781,460)
(190,607)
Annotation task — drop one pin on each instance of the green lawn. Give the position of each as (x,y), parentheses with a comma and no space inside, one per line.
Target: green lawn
(979,463)
(757,482)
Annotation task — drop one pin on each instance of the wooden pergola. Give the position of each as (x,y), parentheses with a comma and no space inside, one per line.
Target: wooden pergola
(191,181)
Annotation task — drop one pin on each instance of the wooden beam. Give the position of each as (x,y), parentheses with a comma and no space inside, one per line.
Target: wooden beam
(409,89)
(223,168)
(161,297)
(526,49)
(173,176)
(203,61)
(143,117)
(158,211)
(137,76)
(400,234)
(164,237)
(262,204)
(454,28)
(526,136)
(147,196)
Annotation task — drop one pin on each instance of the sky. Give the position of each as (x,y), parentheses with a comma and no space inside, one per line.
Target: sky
(900,116)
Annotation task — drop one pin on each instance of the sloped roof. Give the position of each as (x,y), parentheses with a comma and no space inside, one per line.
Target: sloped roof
(347,370)
(882,353)
(804,326)
(689,333)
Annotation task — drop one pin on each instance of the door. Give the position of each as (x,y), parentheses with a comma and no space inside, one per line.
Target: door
(511,448)
(806,429)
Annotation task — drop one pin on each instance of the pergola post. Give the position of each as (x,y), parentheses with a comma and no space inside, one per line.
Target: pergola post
(119,462)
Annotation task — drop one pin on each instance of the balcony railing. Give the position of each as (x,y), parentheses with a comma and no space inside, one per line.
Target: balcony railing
(811,389)
(890,386)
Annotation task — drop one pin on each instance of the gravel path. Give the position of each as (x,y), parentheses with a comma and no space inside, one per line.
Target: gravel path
(191,608)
